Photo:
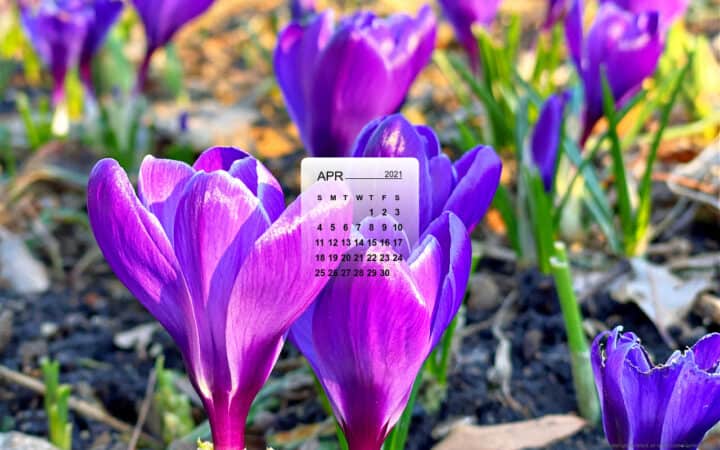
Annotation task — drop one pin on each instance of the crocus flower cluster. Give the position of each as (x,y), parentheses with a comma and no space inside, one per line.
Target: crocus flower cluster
(337,78)
(465,187)
(546,136)
(212,253)
(662,407)
(463,15)
(67,33)
(162,19)
(616,38)
(391,324)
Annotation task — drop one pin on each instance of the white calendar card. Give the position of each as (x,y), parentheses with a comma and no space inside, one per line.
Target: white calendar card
(385,225)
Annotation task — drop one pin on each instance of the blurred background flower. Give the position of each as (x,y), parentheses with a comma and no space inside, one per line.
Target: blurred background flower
(337,78)
(464,15)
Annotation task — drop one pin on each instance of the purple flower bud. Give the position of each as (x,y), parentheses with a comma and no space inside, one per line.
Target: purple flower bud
(624,45)
(465,187)
(545,140)
(212,253)
(162,19)
(300,9)
(659,407)
(668,10)
(463,15)
(104,14)
(367,337)
(57,31)
(337,78)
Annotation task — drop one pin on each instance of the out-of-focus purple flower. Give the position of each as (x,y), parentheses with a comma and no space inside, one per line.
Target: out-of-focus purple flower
(545,140)
(104,15)
(556,11)
(57,31)
(337,78)
(367,337)
(212,253)
(463,15)
(162,19)
(300,9)
(668,10)
(465,187)
(625,45)
(661,407)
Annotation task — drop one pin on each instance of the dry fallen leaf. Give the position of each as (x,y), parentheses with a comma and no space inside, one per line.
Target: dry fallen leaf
(19,270)
(512,436)
(663,297)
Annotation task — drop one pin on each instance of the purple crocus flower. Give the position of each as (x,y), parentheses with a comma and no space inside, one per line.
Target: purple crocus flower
(300,9)
(465,187)
(663,407)
(615,39)
(104,15)
(57,31)
(545,140)
(337,78)
(669,10)
(390,324)
(463,15)
(212,253)
(162,19)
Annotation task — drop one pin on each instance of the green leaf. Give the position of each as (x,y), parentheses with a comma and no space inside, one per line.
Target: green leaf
(503,202)
(642,218)
(618,167)
(540,215)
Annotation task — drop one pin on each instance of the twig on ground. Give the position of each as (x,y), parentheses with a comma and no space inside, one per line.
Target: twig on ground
(144,410)
(82,407)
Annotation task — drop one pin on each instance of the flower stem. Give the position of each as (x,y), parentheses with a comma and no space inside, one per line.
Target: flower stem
(579,353)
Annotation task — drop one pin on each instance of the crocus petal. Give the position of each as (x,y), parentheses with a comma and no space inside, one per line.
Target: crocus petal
(443,177)
(574,32)
(137,249)
(161,183)
(163,18)
(262,183)
(106,13)
(276,284)
(448,236)
(545,141)
(669,10)
(218,158)
(295,62)
(463,15)
(368,392)
(478,174)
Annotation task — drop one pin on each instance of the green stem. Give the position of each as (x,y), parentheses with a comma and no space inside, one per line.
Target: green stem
(579,353)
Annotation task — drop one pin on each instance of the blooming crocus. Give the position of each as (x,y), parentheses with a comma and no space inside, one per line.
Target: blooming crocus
(366,337)
(212,253)
(668,10)
(663,407)
(104,14)
(623,45)
(337,78)
(162,19)
(465,187)
(300,9)
(57,31)
(463,15)
(545,140)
